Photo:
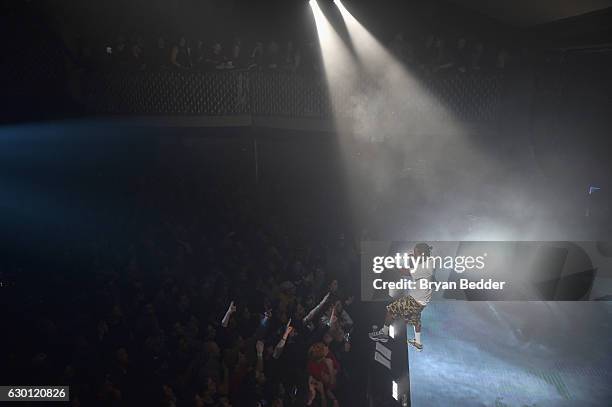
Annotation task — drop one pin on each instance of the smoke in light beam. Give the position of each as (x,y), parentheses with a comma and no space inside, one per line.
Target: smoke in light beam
(394,92)
(374,56)
(338,64)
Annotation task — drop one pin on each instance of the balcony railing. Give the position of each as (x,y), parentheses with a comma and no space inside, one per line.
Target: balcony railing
(470,97)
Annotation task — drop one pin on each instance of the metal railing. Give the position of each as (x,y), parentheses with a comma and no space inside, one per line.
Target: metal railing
(470,97)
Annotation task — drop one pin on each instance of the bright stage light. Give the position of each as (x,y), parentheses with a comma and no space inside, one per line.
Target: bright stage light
(338,63)
(324,29)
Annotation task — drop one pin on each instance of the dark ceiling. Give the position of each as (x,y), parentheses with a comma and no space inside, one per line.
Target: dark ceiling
(526,13)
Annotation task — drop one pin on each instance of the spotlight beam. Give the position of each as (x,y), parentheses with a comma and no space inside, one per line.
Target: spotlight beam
(338,64)
(372,54)
(395,91)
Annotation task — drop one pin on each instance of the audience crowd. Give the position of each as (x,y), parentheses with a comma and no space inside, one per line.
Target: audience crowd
(432,54)
(206,298)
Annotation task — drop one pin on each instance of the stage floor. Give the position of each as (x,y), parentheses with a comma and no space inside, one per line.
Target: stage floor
(523,354)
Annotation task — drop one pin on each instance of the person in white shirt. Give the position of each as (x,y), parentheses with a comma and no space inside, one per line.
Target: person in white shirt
(409,306)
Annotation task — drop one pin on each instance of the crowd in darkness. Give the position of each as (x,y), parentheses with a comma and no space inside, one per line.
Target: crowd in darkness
(432,53)
(201,56)
(206,298)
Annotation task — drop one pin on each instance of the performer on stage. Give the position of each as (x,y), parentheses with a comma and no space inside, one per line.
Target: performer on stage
(410,305)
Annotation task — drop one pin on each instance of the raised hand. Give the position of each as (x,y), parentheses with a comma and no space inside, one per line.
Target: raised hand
(228,314)
(333,318)
(288,330)
(259,347)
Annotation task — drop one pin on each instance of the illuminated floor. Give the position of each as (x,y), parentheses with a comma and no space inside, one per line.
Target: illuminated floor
(520,354)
